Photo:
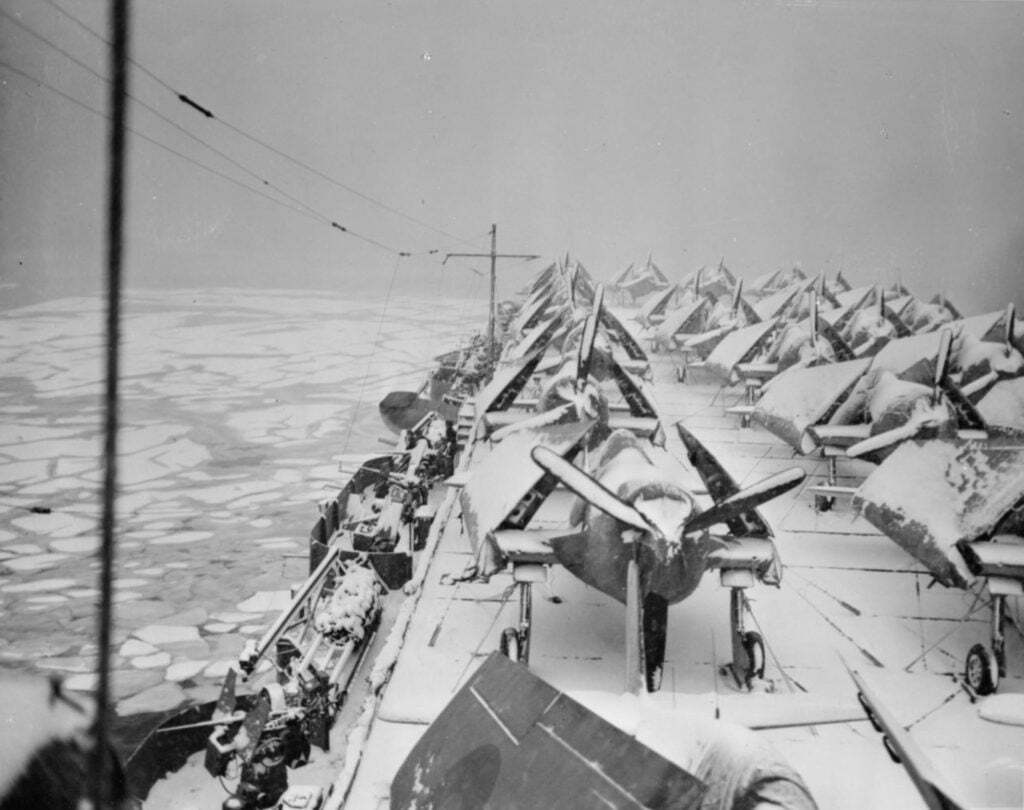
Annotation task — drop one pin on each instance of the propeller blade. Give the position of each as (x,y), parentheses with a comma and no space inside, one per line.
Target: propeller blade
(980,384)
(942,359)
(814,318)
(881,302)
(586,352)
(882,440)
(591,490)
(1009,332)
(696,283)
(737,296)
(746,499)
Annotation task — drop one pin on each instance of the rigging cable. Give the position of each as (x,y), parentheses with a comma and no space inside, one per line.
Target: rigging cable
(320,216)
(101,771)
(305,211)
(206,113)
(371,356)
(309,210)
(155,142)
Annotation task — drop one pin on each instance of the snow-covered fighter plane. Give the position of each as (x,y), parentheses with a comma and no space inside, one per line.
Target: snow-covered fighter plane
(635,534)
(958,508)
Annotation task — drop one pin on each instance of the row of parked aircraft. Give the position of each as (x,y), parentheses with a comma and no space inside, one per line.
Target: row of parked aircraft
(873,373)
(932,397)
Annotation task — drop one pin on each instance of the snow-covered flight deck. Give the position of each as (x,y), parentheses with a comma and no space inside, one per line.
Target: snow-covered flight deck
(849,597)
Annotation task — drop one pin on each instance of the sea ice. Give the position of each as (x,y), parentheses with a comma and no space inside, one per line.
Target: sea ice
(133,647)
(39,585)
(76,545)
(152,661)
(178,538)
(218,669)
(184,670)
(55,524)
(23,472)
(166,633)
(23,548)
(219,627)
(53,449)
(158,698)
(264,601)
(35,562)
(86,682)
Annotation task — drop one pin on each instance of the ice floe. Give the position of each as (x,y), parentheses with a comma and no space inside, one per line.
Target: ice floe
(165,633)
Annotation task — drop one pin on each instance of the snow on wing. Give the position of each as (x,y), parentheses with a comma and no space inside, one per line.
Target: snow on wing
(507,473)
(928,496)
(735,347)
(800,397)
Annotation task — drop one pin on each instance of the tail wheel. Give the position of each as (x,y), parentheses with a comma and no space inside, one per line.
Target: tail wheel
(753,644)
(510,645)
(981,670)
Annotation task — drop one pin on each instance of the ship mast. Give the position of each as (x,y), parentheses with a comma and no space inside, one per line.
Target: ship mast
(117,135)
(493,256)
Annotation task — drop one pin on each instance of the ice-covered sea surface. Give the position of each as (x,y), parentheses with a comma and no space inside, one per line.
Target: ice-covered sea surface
(237,408)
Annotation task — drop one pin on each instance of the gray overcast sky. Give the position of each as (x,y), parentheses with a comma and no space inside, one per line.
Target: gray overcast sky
(872,137)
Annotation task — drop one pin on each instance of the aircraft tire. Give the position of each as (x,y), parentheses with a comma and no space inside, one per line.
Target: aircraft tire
(981,670)
(754,645)
(509,644)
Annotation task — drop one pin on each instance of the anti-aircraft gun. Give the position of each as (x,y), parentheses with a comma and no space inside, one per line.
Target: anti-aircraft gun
(361,548)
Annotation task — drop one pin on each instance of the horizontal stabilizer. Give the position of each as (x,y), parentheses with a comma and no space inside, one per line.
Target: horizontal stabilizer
(508,739)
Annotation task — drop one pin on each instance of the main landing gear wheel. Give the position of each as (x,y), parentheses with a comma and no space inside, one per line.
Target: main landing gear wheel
(510,645)
(748,649)
(753,644)
(981,671)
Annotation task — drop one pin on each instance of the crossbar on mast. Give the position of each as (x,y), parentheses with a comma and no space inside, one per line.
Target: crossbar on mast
(493,256)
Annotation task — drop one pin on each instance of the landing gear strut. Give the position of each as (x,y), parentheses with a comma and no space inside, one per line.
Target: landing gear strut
(749,399)
(824,503)
(515,641)
(748,657)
